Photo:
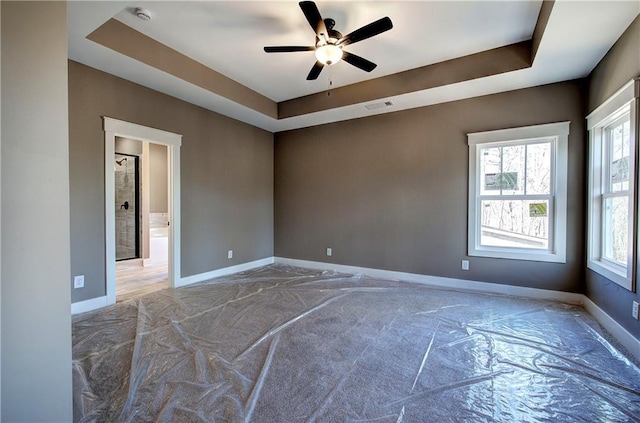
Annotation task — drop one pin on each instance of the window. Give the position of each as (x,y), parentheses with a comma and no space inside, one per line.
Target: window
(612,175)
(518,193)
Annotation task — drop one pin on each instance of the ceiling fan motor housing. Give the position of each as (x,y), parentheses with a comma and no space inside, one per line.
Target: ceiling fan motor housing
(329,23)
(332,36)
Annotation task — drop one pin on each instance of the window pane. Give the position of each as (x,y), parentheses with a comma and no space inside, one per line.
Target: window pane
(490,165)
(512,176)
(539,168)
(515,223)
(618,136)
(615,229)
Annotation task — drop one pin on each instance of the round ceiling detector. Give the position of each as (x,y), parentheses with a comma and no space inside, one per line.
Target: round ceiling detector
(143,14)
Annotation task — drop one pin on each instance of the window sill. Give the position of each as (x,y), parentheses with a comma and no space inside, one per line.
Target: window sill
(526,255)
(610,273)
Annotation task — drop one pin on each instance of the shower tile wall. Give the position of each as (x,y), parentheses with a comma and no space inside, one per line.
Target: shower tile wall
(125,179)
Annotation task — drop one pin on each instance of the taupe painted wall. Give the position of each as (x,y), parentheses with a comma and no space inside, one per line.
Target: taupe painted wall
(226,177)
(0,220)
(36,306)
(619,66)
(158,188)
(390,191)
(621,63)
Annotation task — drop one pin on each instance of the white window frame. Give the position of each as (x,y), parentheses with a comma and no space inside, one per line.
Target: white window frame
(624,101)
(559,133)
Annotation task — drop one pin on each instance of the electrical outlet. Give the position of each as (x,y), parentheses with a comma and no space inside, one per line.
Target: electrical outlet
(634,310)
(230,254)
(329,251)
(78,281)
(465,264)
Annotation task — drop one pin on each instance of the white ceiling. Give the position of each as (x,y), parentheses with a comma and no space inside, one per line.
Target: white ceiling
(228,37)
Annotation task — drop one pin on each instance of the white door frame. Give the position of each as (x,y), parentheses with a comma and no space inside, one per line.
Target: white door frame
(117,128)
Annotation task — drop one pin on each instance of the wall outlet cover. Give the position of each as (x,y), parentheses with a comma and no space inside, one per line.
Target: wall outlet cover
(230,254)
(329,251)
(634,311)
(465,264)
(78,281)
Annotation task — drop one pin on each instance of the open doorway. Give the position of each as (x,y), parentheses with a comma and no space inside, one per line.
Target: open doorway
(142,217)
(155,255)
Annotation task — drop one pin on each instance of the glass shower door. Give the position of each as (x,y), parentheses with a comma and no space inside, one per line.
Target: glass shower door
(127,216)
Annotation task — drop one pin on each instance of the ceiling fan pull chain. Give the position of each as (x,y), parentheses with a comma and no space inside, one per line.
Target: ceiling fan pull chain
(330,81)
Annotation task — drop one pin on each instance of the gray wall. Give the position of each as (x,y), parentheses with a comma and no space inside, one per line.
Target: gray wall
(36,321)
(0,221)
(158,174)
(390,191)
(226,177)
(619,66)
(621,63)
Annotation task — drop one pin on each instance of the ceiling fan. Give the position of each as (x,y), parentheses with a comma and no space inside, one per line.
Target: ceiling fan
(329,42)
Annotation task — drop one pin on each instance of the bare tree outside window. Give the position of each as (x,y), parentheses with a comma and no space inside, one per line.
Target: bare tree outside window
(615,199)
(516,195)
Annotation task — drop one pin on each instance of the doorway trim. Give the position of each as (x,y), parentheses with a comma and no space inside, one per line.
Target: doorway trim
(118,128)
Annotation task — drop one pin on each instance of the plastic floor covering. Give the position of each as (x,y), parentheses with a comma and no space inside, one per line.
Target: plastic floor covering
(283,344)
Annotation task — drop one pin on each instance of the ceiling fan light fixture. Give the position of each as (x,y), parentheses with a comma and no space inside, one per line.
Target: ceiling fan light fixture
(328,54)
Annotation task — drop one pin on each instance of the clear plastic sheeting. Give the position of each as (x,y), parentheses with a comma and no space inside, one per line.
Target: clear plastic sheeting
(282,344)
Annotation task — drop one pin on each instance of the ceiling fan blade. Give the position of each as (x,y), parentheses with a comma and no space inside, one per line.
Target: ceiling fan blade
(358,62)
(288,49)
(315,71)
(313,16)
(367,31)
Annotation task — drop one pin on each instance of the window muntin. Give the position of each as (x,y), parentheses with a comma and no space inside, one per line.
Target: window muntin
(517,193)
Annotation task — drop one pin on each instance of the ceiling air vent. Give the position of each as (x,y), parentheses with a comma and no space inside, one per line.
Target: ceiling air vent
(375,106)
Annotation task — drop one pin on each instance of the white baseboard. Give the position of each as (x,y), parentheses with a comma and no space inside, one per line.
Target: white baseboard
(224,271)
(89,305)
(96,303)
(625,338)
(441,282)
(631,343)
